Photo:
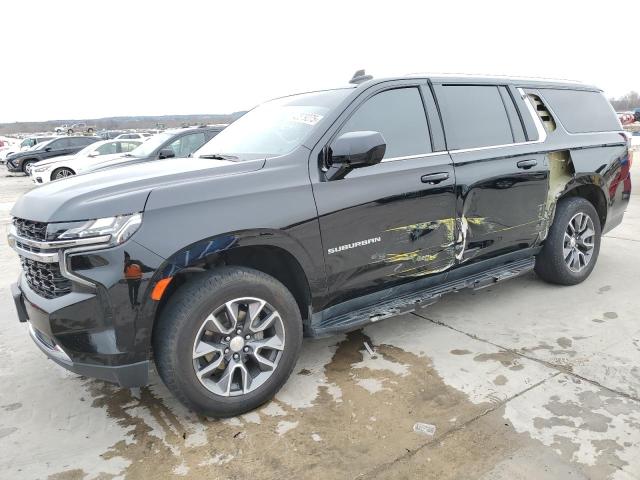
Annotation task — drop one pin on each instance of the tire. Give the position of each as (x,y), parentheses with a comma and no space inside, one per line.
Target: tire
(553,264)
(90,131)
(26,166)
(181,325)
(70,132)
(62,172)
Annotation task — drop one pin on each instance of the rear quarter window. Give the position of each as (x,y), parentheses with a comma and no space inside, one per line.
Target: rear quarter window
(581,111)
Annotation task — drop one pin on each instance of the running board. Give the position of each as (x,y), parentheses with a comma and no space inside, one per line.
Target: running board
(410,301)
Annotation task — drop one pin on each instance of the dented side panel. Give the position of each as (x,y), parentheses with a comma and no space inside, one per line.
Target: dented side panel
(500,207)
(382,225)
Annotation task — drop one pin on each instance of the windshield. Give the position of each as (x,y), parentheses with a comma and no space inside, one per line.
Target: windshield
(275,127)
(148,147)
(41,145)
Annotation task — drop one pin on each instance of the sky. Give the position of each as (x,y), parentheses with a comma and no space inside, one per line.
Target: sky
(91,59)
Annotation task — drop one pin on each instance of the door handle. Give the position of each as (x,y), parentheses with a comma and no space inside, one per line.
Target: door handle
(434,178)
(526,164)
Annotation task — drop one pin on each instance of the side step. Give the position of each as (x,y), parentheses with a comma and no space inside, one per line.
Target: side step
(410,301)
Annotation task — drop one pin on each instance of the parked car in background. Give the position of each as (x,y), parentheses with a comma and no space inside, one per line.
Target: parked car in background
(62,128)
(135,135)
(109,134)
(626,118)
(9,146)
(171,143)
(22,161)
(636,114)
(31,142)
(61,167)
(81,128)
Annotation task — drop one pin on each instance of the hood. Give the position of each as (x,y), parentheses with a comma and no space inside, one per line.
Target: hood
(119,190)
(24,153)
(85,162)
(116,161)
(63,158)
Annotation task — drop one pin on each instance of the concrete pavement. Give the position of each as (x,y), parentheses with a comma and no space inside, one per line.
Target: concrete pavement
(521,380)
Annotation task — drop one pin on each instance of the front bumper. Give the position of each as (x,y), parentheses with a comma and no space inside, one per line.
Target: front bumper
(96,330)
(13,166)
(40,177)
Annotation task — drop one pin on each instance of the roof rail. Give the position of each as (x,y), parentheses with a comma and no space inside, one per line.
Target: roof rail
(478,75)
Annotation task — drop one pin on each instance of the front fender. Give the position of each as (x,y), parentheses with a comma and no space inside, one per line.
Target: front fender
(207,252)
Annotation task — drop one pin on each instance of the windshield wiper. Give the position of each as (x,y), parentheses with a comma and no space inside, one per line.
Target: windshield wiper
(218,156)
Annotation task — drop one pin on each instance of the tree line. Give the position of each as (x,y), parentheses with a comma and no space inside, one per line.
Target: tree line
(626,102)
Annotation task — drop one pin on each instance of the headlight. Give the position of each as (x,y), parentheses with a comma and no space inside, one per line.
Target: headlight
(116,229)
(41,169)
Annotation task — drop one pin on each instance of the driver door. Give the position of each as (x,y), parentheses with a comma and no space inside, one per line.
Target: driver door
(392,222)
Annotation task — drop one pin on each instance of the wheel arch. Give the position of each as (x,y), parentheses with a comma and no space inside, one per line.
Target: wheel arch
(270,253)
(25,161)
(590,188)
(60,168)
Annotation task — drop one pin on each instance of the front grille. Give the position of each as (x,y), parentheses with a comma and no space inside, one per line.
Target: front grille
(30,230)
(45,278)
(28,248)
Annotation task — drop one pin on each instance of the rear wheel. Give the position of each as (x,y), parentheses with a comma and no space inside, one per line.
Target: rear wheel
(90,131)
(228,340)
(70,131)
(62,172)
(571,249)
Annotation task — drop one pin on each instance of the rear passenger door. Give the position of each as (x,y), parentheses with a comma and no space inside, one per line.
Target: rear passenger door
(391,222)
(502,179)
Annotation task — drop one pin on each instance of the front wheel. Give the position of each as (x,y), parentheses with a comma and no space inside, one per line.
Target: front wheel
(60,173)
(70,131)
(571,249)
(27,166)
(228,340)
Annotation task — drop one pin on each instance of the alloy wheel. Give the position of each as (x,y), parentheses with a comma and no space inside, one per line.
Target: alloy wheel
(238,346)
(63,173)
(578,244)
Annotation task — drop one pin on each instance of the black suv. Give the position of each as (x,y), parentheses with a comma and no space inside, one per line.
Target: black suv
(171,143)
(315,213)
(22,161)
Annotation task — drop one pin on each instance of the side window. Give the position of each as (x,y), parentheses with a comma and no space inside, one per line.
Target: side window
(399,116)
(128,146)
(474,116)
(60,144)
(76,142)
(187,144)
(582,111)
(108,148)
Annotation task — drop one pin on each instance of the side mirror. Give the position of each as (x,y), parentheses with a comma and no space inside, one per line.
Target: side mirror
(47,149)
(354,150)
(166,153)
(95,153)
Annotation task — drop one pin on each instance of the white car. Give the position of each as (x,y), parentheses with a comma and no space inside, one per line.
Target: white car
(68,165)
(134,136)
